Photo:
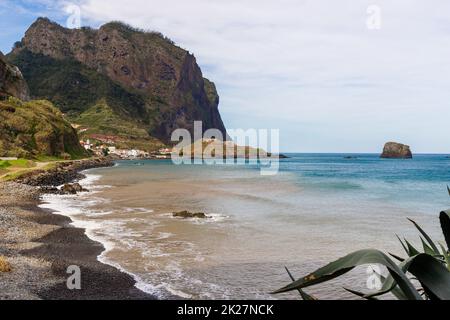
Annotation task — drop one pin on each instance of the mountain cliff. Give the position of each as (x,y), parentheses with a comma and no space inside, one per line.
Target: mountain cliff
(141,78)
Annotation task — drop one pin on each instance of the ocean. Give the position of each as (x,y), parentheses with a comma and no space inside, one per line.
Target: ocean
(318,207)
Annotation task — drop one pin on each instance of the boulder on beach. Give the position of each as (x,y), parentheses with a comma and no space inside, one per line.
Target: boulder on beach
(186,214)
(72,188)
(394,150)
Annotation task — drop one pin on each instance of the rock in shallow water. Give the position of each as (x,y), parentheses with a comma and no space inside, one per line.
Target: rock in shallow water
(394,150)
(72,188)
(187,214)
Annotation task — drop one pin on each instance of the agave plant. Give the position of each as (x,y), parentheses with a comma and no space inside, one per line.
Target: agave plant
(428,266)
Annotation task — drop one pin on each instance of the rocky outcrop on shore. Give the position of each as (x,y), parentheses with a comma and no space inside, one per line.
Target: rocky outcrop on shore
(394,150)
(68,188)
(62,173)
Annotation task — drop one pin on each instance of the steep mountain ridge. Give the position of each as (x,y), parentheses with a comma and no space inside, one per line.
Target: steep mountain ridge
(142,76)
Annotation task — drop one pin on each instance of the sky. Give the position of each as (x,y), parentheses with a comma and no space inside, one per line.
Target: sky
(331,75)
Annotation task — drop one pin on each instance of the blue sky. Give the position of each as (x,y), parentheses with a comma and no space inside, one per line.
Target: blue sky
(333,76)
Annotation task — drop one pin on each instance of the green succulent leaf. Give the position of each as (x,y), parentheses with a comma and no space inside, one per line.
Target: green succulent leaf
(433,276)
(427,249)
(403,245)
(425,235)
(347,263)
(444,217)
(360,294)
(411,250)
(389,285)
(303,294)
(446,255)
(395,289)
(396,257)
(430,272)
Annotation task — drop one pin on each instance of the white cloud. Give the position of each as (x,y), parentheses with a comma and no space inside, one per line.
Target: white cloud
(312,68)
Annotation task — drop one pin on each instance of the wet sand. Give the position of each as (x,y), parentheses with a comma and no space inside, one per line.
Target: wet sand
(40,246)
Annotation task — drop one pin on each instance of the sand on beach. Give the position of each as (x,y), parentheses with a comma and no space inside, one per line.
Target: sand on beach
(40,246)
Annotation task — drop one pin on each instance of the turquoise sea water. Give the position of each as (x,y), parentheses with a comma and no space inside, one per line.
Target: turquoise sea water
(419,183)
(317,208)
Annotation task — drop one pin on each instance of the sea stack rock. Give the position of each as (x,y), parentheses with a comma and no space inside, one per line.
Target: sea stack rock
(394,150)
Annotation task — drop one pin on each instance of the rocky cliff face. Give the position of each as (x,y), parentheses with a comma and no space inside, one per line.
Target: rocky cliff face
(396,151)
(143,76)
(12,82)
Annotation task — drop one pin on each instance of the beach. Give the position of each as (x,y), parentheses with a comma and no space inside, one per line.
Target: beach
(40,246)
(316,209)
(123,235)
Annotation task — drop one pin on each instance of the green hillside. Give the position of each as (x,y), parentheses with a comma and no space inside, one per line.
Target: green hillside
(36,129)
(100,121)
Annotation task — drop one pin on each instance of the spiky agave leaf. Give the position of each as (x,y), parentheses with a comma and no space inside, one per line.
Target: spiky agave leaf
(388,286)
(433,276)
(303,294)
(403,245)
(360,294)
(446,255)
(426,236)
(427,249)
(411,250)
(430,272)
(350,261)
(395,290)
(444,218)
(396,257)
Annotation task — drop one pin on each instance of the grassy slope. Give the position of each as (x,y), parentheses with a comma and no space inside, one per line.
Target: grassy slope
(101,119)
(36,129)
(10,166)
(19,163)
(13,172)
